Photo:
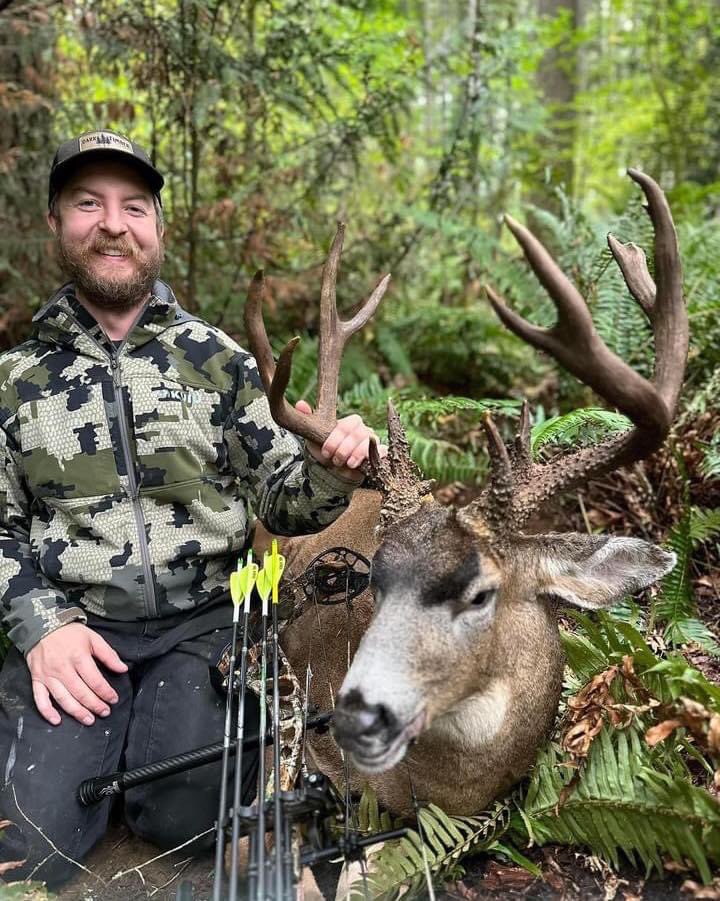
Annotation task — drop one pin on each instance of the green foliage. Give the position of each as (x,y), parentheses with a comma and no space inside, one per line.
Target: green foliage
(401,867)
(624,803)
(579,427)
(675,606)
(711,460)
(630,798)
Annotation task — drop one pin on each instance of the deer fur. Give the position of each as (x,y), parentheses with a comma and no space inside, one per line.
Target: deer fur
(490,696)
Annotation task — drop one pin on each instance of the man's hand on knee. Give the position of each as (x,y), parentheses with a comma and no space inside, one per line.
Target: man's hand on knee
(62,667)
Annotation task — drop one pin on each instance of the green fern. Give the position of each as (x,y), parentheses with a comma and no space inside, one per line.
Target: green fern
(444,461)
(431,408)
(710,466)
(579,427)
(675,604)
(621,805)
(399,867)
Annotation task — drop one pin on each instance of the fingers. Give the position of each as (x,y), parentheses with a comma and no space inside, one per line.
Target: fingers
(68,703)
(42,702)
(97,684)
(106,654)
(303,406)
(352,451)
(347,445)
(63,670)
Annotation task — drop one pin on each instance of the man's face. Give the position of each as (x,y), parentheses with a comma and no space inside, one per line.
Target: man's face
(108,237)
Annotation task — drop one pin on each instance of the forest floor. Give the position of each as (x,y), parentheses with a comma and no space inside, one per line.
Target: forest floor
(118,872)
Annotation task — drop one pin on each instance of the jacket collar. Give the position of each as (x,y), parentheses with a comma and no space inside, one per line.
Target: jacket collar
(65,321)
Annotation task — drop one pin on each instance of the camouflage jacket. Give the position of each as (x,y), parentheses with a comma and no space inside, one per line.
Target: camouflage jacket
(127,471)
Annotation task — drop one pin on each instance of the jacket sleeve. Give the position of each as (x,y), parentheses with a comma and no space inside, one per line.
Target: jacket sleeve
(291,493)
(32,606)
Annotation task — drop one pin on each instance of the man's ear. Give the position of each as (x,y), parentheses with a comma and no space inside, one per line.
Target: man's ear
(52,222)
(595,571)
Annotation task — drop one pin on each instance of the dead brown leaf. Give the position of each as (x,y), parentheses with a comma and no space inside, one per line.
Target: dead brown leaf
(700,891)
(658,733)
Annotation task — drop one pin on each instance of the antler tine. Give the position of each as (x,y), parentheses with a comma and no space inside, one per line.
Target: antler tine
(255,328)
(575,344)
(396,476)
(275,379)
(633,265)
(521,456)
(671,323)
(334,332)
(333,335)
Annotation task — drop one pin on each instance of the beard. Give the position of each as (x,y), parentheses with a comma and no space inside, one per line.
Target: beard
(115,292)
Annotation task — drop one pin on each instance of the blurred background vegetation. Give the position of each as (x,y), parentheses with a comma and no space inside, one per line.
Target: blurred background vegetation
(419,123)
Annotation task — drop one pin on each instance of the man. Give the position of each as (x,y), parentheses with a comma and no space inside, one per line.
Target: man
(133,436)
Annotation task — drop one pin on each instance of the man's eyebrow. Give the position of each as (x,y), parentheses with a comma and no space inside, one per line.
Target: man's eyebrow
(82,189)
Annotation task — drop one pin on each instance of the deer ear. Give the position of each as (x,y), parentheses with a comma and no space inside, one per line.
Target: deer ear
(595,571)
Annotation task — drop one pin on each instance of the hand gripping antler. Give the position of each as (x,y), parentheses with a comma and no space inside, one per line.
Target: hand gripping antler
(517,486)
(334,332)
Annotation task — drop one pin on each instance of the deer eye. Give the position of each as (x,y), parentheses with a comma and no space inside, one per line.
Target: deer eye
(482,598)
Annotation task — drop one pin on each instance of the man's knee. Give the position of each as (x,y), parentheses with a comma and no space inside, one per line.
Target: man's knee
(171,816)
(51,854)
(180,807)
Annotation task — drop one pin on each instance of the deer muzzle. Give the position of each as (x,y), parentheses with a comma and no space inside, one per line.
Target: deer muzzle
(371,733)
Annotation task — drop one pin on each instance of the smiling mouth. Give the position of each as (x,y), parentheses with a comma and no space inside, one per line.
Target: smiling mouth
(386,757)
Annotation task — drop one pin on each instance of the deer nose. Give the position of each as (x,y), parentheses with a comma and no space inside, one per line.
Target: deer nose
(357,720)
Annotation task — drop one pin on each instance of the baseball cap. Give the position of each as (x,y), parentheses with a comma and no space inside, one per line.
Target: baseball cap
(97,145)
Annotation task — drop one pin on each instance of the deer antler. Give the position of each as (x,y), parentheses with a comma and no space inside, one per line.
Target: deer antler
(334,332)
(517,486)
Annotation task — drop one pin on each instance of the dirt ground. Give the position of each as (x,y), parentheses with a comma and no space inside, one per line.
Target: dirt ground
(120,872)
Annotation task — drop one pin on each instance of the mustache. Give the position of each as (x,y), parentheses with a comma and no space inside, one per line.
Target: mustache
(105,245)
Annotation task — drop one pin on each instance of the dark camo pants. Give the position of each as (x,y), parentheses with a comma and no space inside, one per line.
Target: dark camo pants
(166,705)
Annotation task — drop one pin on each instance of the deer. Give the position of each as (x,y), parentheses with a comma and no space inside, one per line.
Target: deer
(449,677)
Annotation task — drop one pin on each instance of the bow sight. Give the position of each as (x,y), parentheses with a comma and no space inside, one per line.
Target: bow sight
(309,821)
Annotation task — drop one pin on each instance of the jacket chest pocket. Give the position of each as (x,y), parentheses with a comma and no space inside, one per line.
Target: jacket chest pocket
(66,445)
(178,432)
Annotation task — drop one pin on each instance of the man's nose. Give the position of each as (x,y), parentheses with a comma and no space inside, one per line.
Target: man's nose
(112,221)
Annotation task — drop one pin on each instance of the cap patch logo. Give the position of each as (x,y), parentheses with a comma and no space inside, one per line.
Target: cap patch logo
(103,140)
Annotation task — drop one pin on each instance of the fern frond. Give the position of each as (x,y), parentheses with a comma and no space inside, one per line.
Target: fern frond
(710,465)
(398,868)
(675,604)
(417,409)
(620,806)
(704,524)
(444,461)
(584,426)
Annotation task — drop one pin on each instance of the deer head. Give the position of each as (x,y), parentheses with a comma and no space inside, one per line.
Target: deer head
(462,609)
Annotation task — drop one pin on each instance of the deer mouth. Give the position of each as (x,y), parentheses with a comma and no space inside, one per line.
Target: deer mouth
(372,755)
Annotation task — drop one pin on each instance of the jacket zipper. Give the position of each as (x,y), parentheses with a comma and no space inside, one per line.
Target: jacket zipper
(151,604)
(150,598)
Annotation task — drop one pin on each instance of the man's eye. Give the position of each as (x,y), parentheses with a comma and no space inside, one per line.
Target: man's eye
(88,203)
(137,210)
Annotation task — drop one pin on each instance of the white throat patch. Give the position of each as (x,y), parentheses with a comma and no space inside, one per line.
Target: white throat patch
(477,719)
